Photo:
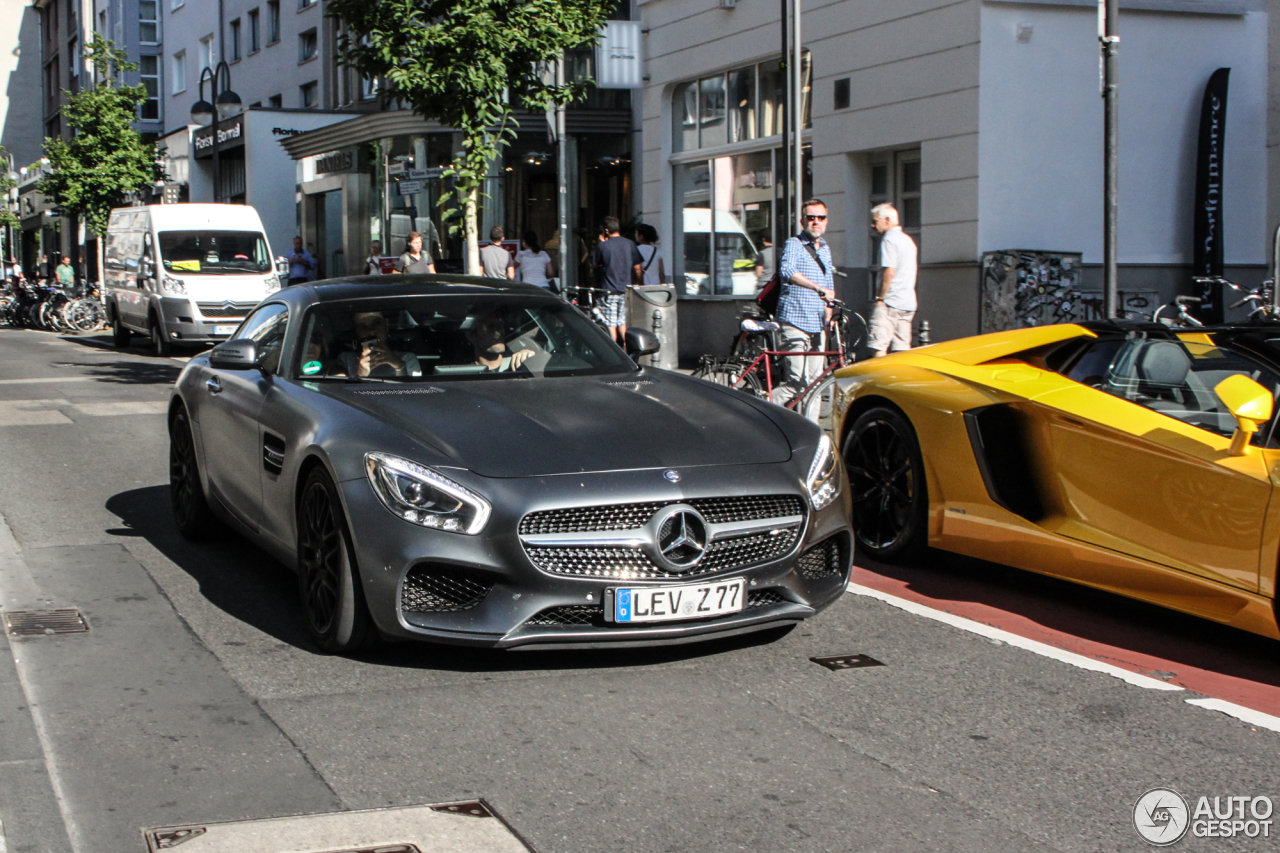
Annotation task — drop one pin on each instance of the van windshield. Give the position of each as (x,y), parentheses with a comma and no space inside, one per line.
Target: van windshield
(214,252)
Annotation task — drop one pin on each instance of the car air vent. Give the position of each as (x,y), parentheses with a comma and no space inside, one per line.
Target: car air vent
(396,392)
(439,588)
(763,598)
(272,453)
(824,559)
(571,614)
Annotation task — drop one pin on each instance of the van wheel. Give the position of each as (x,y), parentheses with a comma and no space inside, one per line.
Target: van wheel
(120,336)
(159,343)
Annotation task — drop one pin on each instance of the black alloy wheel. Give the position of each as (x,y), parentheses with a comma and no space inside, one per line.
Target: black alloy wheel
(120,336)
(328,582)
(887,483)
(159,343)
(191,511)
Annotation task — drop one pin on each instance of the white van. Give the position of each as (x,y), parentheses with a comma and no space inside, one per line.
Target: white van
(184,273)
(735,255)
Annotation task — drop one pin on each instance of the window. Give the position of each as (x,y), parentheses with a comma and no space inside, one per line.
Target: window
(308,46)
(738,106)
(149,21)
(895,178)
(149,70)
(368,88)
(73,65)
(255,34)
(180,72)
(273,21)
(206,52)
(235,40)
(276,101)
(266,326)
(842,94)
(310,95)
(305,4)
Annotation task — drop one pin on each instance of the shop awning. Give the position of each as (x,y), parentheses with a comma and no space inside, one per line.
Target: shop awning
(367,128)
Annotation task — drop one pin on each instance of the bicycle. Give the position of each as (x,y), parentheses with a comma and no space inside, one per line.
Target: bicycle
(753,371)
(588,299)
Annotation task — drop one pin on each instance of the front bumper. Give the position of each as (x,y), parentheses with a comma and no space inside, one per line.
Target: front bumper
(518,599)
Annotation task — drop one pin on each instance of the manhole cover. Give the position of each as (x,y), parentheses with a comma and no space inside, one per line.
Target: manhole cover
(834,662)
(463,827)
(34,623)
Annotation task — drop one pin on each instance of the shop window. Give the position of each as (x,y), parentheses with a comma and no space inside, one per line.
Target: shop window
(149,70)
(148,21)
(235,40)
(308,46)
(273,21)
(738,106)
(255,31)
(310,95)
(684,118)
(742,103)
(180,72)
(712,129)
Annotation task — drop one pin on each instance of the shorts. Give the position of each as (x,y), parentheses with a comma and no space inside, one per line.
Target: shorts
(890,328)
(614,309)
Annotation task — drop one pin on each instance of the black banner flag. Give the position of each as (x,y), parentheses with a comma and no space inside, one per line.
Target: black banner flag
(1207,257)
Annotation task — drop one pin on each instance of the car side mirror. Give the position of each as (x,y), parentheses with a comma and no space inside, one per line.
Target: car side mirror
(148,267)
(1249,403)
(282,266)
(642,342)
(239,354)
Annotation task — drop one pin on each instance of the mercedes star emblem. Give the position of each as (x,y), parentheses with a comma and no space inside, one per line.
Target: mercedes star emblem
(673,476)
(681,534)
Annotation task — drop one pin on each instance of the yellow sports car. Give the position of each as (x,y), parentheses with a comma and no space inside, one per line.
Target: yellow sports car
(1130,457)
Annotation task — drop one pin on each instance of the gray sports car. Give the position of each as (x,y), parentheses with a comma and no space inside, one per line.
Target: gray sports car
(467,461)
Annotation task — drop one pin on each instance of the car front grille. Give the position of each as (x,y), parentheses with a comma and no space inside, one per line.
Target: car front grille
(571,615)
(224,310)
(628,563)
(434,588)
(823,560)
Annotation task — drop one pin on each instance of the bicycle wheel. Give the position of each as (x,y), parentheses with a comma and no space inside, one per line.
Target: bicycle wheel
(854,332)
(730,373)
(819,404)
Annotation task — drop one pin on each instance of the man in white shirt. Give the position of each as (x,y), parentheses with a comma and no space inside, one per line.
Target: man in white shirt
(895,305)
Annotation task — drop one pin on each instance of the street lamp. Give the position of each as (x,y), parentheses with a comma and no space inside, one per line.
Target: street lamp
(226,104)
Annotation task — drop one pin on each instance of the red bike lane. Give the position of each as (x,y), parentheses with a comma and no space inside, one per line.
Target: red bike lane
(1195,654)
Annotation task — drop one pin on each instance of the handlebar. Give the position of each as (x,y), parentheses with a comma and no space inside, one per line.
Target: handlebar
(1187,300)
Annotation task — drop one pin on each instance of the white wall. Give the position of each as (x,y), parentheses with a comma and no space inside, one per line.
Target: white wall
(21,114)
(1040,151)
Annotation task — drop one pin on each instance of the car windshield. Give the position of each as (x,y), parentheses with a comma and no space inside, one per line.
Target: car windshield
(447,338)
(214,252)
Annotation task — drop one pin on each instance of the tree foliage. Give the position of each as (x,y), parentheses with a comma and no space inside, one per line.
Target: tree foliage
(469,64)
(106,158)
(7,216)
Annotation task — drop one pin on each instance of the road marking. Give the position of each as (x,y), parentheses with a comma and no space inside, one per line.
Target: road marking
(1042,649)
(1248,715)
(147,407)
(51,380)
(31,413)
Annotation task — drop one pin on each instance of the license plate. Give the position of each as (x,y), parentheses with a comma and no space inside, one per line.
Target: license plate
(688,601)
(225,330)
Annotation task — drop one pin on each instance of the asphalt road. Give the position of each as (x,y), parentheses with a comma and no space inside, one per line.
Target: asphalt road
(196,697)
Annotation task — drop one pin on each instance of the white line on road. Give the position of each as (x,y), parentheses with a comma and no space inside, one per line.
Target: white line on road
(50,380)
(1043,649)
(1248,715)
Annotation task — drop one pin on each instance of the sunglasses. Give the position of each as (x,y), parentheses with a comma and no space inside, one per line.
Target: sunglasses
(818,217)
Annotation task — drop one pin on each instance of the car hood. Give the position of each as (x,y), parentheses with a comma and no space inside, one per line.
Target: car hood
(570,425)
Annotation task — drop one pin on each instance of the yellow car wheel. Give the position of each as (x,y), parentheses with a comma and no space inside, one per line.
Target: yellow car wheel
(886,480)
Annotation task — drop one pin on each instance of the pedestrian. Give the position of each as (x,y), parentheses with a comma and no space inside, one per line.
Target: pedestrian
(416,260)
(302,266)
(807,287)
(766,261)
(42,269)
(373,263)
(617,263)
(533,265)
(654,272)
(495,260)
(895,304)
(65,273)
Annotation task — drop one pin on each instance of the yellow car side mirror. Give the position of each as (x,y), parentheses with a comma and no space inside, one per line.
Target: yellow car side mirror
(1249,403)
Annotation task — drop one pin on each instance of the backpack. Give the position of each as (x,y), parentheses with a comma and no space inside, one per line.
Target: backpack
(769,295)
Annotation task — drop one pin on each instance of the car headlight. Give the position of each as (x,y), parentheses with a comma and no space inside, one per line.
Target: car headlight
(420,495)
(273,283)
(823,482)
(169,284)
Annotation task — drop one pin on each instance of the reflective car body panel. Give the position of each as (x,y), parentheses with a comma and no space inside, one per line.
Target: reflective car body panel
(1132,492)
(627,444)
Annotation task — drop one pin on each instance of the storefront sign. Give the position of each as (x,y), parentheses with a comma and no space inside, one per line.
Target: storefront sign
(335,161)
(230,135)
(1207,255)
(410,187)
(618,56)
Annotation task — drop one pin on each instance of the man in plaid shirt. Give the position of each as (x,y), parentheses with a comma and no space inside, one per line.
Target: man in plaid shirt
(807,286)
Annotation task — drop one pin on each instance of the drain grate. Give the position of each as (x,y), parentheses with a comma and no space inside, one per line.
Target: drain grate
(834,662)
(35,623)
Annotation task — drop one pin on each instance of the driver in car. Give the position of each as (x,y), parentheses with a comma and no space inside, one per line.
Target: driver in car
(487,335)
(375,357)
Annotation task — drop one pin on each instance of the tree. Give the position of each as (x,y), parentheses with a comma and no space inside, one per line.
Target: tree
(106,158)
(7,217)
(469,64)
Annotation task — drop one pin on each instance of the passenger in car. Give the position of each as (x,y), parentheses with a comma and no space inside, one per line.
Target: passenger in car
(374,356)
(487,335)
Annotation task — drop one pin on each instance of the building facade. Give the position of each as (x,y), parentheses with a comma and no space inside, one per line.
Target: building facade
(980,120)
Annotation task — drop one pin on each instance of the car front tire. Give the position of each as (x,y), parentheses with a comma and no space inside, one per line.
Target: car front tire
(159,343)
(191,511)
(328,581)
(120,336)
(887,482)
